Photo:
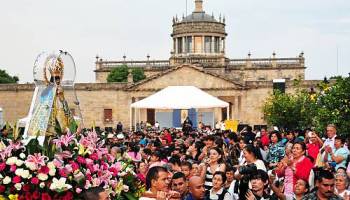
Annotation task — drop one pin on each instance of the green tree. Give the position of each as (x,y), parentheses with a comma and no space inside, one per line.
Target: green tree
(138,74)
(6,78)
(118,74)
(290,111)
(329,104)
(333,103)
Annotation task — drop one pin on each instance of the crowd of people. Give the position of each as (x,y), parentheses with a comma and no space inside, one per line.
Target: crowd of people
(217,164)
(223,165)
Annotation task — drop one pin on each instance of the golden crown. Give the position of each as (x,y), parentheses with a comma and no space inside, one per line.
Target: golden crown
(57,68)
(54,65)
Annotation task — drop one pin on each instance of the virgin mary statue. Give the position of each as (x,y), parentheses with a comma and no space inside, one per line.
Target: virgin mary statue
(50,114)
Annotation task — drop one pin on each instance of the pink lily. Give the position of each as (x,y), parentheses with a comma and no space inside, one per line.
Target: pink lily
(37,160)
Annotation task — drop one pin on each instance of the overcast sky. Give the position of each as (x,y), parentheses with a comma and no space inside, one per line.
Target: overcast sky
(112,28)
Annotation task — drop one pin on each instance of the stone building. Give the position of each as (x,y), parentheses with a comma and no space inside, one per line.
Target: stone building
(197,58)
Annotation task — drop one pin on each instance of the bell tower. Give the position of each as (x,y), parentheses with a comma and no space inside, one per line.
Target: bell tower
(198,38)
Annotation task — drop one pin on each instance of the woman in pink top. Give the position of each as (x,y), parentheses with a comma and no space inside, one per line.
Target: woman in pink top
(133,152)
(298,166)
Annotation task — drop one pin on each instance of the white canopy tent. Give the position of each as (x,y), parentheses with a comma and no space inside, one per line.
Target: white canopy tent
(179,97)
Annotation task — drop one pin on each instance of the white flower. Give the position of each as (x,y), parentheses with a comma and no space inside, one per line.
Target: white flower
(128,169)
(125,188)
(122,174)
(6,180)
(1,177)
(22,155)
(42,185)
(31,166)
(43,177)
(25,174)
(52,172)
(11,161)
(51,165)
(19,171)
(59,185)
(19,162)
(18,186)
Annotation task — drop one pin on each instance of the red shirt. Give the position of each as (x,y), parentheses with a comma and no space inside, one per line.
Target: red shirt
(265,141)
(312,150)
(303,168)
(167,137)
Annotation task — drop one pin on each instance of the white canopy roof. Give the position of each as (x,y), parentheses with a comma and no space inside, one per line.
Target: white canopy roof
(180,97)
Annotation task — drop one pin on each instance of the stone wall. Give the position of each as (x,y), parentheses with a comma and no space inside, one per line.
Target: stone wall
(94,98)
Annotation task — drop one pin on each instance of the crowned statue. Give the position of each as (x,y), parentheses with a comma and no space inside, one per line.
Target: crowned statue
(50,113)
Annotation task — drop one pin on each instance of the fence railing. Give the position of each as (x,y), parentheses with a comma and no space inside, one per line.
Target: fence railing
(266,61)
(137,63)
(203,60)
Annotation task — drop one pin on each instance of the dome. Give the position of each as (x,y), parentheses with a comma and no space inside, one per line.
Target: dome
(199,17)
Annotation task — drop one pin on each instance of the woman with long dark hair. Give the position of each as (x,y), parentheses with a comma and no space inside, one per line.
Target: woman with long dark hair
(211,165)
(253,162)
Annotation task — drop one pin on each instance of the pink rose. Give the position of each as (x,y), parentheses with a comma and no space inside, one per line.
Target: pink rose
(75,166)
(114,171)
(13,168)
(104,165)
(16,179)
(96,168)
(34,181)
(94,156)
(44,170)
(2,166)
(89,161)
(88,177)
(90,167)
(81,160)
(62,173)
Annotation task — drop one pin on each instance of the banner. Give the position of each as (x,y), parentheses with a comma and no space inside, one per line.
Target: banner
(231,125)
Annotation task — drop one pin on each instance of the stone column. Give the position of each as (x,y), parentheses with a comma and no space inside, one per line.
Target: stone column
(236,113)
(220,42)
(192,48)
(184,44)
(239,102)
(223,45)
(212,44)
(202,49)
(176,47)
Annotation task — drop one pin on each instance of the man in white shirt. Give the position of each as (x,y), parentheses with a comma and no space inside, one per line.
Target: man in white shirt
(331,134)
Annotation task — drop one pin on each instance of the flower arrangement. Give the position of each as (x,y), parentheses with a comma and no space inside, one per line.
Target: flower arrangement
(78,162)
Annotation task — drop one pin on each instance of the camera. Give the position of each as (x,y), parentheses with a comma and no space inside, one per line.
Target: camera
(248,169)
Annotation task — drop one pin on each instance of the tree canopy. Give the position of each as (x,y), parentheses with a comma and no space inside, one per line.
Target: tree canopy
(328,104)
(6,78)
(120,74)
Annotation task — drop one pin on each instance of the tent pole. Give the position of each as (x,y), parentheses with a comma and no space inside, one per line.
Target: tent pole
(135,118)
(227,113)
(130,118)
(213,123)
(139,117)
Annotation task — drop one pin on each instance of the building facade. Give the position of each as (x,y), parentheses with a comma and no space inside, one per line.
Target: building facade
(197,58)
